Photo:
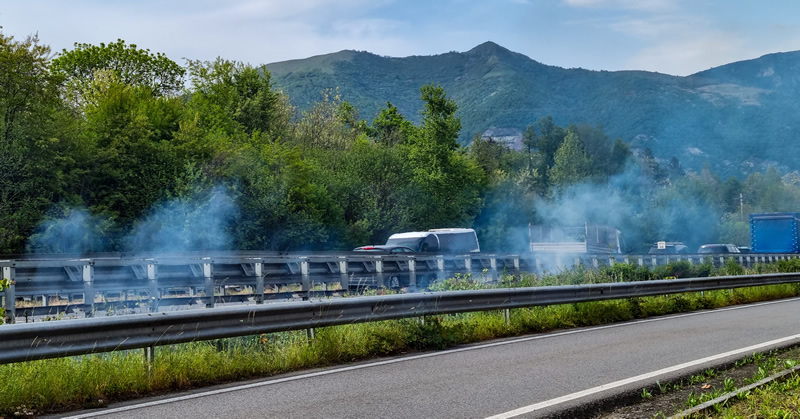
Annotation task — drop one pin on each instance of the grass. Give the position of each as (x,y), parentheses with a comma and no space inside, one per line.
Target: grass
(60,384)
(779,399)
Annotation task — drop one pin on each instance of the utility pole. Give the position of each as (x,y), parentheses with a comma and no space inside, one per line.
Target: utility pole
(741,205)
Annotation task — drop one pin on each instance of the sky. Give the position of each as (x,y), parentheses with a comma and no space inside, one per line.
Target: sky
(678,37)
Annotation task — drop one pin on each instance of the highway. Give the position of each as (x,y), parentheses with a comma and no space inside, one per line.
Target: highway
(530,376)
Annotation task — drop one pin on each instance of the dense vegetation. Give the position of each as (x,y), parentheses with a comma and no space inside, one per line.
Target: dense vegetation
(738,118)
(112,147)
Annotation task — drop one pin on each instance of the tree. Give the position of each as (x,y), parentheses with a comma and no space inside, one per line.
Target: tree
(571,164)
(549,140)
(230,97)
(330,124)
(390,127)
(449,182)
(33,129)
(133,66)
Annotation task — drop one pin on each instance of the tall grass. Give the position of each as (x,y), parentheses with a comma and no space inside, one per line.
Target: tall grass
(60,384)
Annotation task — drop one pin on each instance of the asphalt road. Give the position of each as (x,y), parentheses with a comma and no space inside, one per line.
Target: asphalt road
(526,377)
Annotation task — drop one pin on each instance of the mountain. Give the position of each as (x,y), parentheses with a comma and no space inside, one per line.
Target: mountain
(737,118)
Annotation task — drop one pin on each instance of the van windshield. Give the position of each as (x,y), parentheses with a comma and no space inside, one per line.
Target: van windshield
(412,242)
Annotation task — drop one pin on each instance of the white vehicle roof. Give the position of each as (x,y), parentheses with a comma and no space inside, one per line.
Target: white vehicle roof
(452,230)
(410,235)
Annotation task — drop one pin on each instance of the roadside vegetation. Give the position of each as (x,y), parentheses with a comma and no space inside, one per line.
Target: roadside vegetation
(32,388)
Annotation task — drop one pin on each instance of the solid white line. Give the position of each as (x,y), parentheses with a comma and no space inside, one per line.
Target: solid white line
(647,376)
(404,359)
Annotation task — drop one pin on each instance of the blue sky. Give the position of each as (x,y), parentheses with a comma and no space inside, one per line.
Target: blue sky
(677,37)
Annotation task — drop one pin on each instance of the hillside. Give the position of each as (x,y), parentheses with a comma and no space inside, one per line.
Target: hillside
(738,118)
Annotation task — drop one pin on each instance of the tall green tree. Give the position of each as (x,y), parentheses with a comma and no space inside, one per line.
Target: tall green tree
(449,182)
(132,66)
(571,163)
(390,127)
(34,132)
(231,97)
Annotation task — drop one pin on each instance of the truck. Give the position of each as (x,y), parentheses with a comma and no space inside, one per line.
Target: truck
(774,232)
(438,240)
(588,238)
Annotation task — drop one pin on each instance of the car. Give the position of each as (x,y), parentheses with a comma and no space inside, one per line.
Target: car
(384,248)
(668,248)
(745,249)
(718,248)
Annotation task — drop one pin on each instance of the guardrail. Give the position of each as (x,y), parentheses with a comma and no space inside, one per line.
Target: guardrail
(205,279)
(26,342)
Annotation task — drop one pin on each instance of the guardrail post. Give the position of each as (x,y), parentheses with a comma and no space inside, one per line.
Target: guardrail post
(517,271)
(259,272)
(493,265)
(595,262)
(208,282)
(155,295)
(440,267)
(344,278)
(507,316)
(412,274)
(305,271)
(10,297)
(149,359)
(88,290)
(379,273)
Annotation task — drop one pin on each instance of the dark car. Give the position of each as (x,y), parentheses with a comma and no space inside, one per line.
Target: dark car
(668,248)
(718,248)
(384,248)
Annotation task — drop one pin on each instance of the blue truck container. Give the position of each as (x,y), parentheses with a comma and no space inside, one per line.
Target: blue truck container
(774,232)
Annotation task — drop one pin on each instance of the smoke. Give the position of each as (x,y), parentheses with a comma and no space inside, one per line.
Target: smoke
(643,210)
(198,221)
(70,230)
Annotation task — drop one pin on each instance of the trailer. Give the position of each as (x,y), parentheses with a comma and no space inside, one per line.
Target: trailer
(774,232)
(588,238)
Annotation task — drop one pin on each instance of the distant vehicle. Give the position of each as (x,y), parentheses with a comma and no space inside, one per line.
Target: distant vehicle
(745,249)
(439,240)
(774,232)
(668,248)
(588,238)
(718,249)
(382,248)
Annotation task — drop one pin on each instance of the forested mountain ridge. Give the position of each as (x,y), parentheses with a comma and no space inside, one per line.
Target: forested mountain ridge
(738,118)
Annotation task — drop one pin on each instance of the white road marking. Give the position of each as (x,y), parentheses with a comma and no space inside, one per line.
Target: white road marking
(649,375)
(412,358)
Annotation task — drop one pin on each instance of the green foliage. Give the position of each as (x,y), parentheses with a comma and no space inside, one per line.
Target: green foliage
(131,65)
(35,137)
(390,127)
(231,97)
(571,164)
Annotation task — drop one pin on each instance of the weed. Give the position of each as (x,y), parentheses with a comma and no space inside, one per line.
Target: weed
(729,384)
(646,395)
(696,379)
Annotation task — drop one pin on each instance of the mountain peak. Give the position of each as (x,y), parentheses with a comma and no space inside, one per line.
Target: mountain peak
(488,47)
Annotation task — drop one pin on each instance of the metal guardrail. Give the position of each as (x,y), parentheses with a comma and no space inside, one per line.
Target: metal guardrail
(25,342)
(151,281)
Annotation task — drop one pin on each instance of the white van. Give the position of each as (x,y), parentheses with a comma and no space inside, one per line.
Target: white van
(438,240)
